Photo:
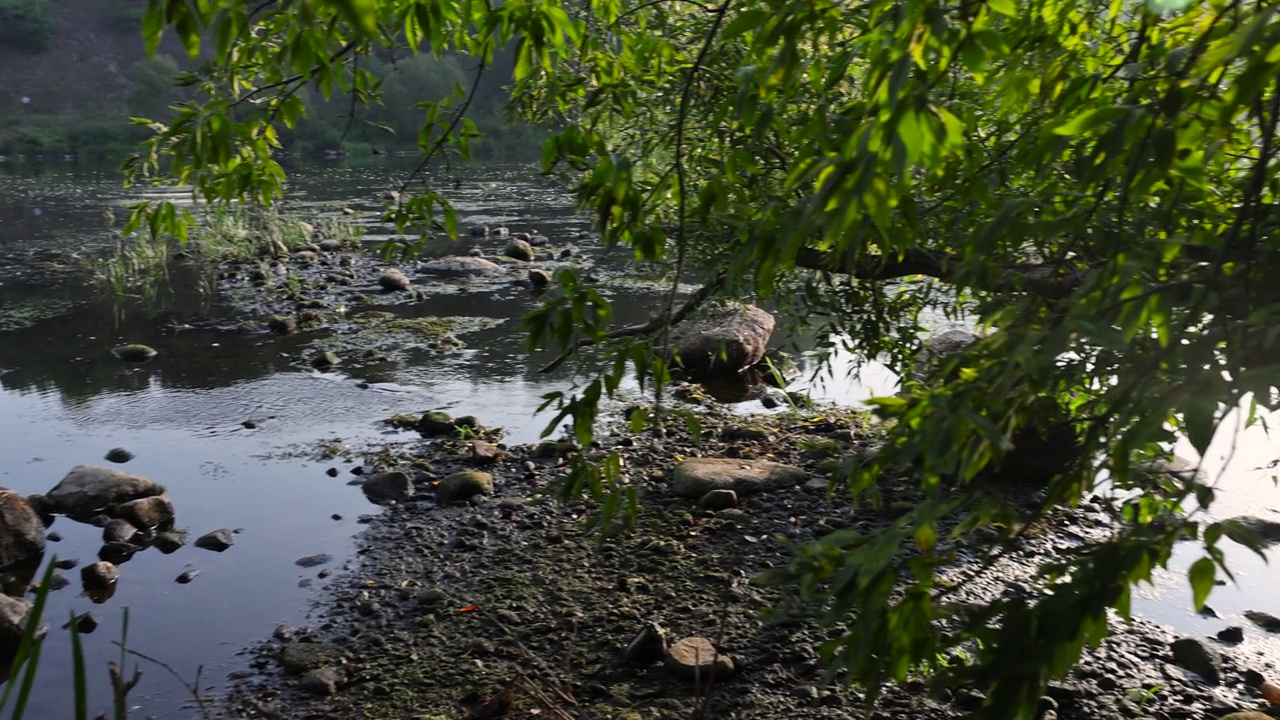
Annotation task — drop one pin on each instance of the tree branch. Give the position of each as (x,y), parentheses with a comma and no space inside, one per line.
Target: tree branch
(1046,280)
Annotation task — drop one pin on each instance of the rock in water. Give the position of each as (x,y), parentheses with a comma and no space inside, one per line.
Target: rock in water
(648,647)
(118,455)
(695,658)
(169,542)
(14,614)
(282,325)
(99,575)
(388,487)
(1194,655)
(436,423)
(217,541)
(134,352)
(147,513)
(313,560)
(21,530)
(937,349)
(186,577)
(89,489)
(725,339)
(1268,530)
(463,486)
(539,278)
(324,360)
(519,250)
(118,530)
(116,552)
(393,280)
(696,477)
(460,266)
(539,240)
(1266,621)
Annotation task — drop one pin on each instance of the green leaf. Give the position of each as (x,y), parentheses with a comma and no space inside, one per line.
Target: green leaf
(1201,575)
(1089,119)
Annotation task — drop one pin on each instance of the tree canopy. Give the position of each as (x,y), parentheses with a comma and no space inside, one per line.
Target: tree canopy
(1090,182)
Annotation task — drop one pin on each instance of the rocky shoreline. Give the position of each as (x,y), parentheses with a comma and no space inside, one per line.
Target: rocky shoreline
(503,605)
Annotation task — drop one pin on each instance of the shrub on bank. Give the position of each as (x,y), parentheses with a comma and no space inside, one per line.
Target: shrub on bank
(27,24)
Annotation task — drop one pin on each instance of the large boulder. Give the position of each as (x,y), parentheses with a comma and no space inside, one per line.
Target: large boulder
(14,615)
(89,490)
(725,339)
(21,532)
(459,266)
(696,477)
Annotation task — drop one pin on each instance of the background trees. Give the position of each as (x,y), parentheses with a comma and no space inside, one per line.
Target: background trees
(1090,182)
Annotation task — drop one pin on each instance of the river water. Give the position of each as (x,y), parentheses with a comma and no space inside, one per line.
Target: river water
(65,400)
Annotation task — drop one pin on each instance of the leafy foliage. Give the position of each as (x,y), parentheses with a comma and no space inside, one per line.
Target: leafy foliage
(1092,183)
(27,24)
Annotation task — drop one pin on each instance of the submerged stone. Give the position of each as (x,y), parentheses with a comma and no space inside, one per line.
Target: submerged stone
(134,353)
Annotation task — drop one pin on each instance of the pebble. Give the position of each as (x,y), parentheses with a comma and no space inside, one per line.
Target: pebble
(187,577)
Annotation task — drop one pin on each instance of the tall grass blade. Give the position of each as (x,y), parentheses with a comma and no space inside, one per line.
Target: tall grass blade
(28,655)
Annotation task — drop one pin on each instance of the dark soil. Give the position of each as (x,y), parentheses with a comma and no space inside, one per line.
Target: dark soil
(506,607)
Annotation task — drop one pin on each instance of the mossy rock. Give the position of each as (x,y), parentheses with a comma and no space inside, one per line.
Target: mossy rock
(324,360)
(464,485)
(299,658)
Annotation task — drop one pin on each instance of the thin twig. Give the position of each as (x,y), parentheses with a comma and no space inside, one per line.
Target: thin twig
(192,688)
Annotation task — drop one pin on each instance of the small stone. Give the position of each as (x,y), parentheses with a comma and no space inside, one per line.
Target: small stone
(1233,634)
(313,560)
(648,647)
(393,280)
(282,325)
(330,245)
(186,577)
(119,455)
(695,658)
(463,486)
(147,513)
(117,553)
(1266,621)
(118,531)
(66,563)
(324,360)
(721,499)
(436,423)
(83,623)
(519,250)
(539,278)
(217,541)
(483,453)
(1194,655)
(331,472)
(169,542)
(301,657)
(99,575)
(249,425)
(54,536)
(388,487)
(134,353)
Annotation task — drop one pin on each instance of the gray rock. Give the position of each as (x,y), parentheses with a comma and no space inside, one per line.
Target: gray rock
(84,623)
(134,353)
(459,266)
(499,231)
(1194,655)
(217,541)
(304,257)
(116,552)
(323,681)
(519,250)
(479,230)
(147,513)
(539,278)
(14,615)
(725,339)
(282,325)
(648,647)
(721,499)
(695,658)
(696,477)
(388,487)
(392,280)
(313,560)
(21,530)
(1266,621)
(169,542)
(330,245)
(186,577)
(937,349)
(118,530)
(1233,634)
(463,486)
(538,240)
(99,575)
(89,489)
(118,455)
(301,657)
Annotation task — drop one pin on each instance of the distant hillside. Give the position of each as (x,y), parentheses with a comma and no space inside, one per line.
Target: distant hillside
(86,67)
